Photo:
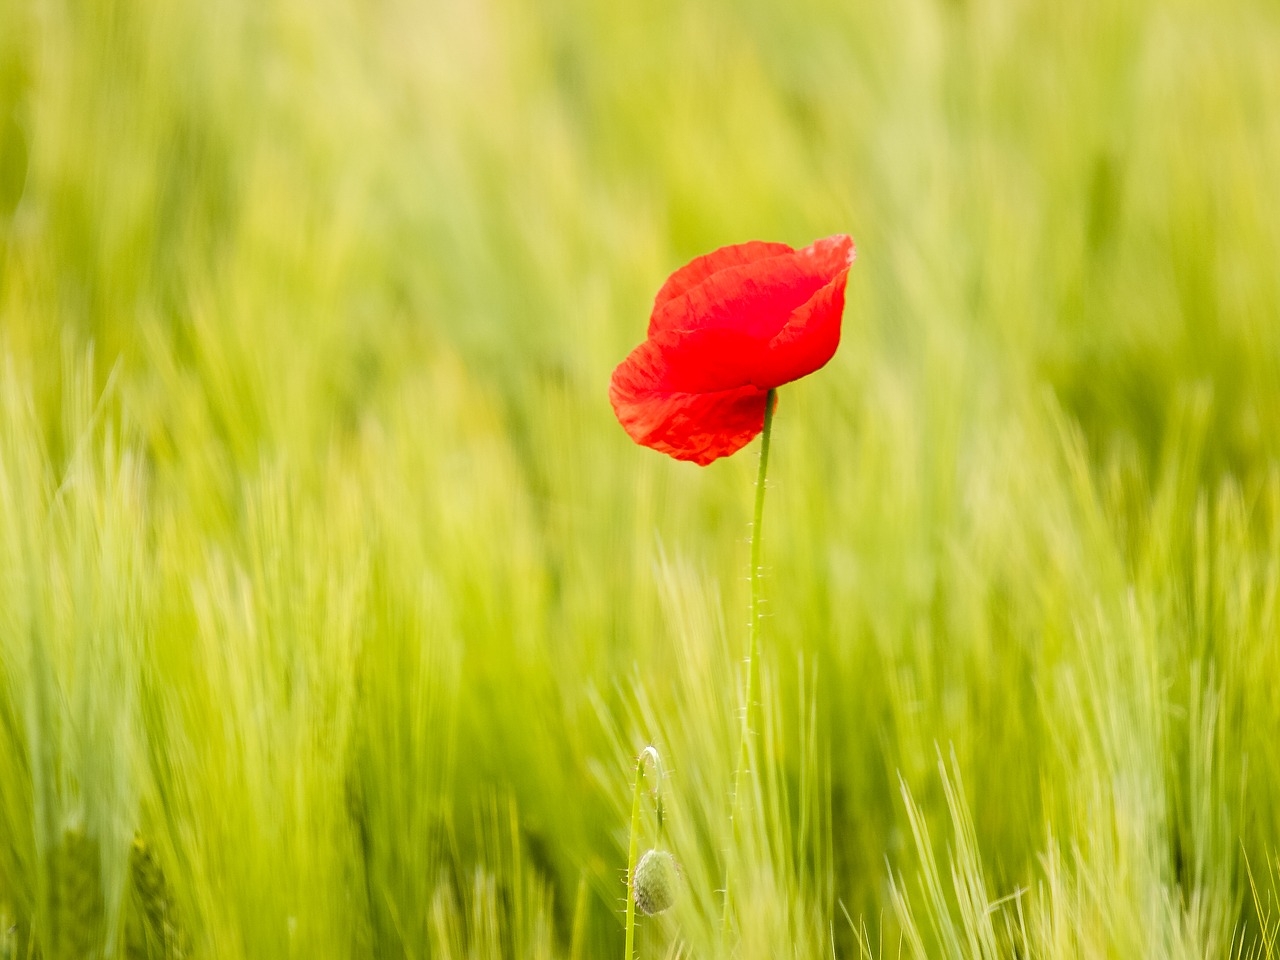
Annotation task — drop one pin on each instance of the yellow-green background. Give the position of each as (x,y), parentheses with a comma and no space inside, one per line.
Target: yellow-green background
(335,606)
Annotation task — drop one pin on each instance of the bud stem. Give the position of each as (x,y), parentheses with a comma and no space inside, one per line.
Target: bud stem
(752,666)
(633,850)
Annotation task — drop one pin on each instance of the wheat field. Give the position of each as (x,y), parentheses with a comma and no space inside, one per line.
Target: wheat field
(336,607)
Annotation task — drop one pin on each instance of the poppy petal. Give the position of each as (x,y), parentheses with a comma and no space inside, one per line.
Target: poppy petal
(809,338)
(831,255)
(725,330)
(700,268)
(755,298)
(678,403)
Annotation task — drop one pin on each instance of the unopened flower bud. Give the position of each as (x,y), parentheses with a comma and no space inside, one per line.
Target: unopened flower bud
(655,881)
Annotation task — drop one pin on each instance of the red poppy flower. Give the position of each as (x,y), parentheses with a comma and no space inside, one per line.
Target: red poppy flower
(725,330)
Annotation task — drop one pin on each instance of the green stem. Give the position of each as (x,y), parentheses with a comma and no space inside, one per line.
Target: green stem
(753,670)
(633,850)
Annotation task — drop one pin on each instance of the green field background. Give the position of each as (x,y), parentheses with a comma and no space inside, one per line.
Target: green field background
(335,606)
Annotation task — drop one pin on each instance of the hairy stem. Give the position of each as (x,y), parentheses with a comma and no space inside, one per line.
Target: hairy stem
(753,669)
(633,850)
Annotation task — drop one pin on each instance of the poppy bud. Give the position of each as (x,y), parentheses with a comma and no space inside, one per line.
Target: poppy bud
(655,881)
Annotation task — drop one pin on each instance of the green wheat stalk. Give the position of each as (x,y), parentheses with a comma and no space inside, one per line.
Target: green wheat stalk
(79,908)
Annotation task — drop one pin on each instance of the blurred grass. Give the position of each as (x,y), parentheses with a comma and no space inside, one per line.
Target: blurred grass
(327,579)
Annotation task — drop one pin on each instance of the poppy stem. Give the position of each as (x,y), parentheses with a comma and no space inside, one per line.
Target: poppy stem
(633,850)
(753,669)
